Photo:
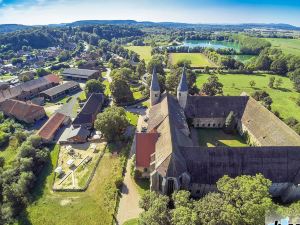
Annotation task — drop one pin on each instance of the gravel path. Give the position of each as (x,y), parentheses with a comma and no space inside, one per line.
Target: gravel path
(129,202)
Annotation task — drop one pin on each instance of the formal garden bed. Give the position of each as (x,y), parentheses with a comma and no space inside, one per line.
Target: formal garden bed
(76,164)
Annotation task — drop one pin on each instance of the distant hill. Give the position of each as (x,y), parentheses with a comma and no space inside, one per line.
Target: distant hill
(5,28)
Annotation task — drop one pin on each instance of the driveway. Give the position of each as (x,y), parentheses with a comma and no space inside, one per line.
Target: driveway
(129,202)
(68,108)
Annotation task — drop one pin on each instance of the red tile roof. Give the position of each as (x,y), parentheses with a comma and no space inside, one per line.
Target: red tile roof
(52,78)
(22,110)
(145,146)
(48,130)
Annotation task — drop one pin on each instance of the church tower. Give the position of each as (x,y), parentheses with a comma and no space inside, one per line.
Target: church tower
(154,89)
(182,90)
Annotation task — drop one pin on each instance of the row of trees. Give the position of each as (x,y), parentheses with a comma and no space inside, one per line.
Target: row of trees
(239,201)
(43,37)
(16,182)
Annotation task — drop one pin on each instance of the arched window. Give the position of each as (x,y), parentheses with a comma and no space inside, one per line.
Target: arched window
(208,125)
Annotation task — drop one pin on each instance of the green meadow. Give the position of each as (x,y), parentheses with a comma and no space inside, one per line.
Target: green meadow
(288,46)
(197,59)
(95,206)
(284,98)
(143,51)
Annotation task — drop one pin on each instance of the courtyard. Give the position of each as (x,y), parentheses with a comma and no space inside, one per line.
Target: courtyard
(217,137)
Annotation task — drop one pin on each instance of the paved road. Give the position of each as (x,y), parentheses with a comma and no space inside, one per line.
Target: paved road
(67,109)
(129,202)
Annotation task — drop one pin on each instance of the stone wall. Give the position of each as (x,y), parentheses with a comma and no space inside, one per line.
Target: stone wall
(208,122)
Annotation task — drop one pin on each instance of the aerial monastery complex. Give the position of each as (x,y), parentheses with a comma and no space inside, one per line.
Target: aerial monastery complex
(170,155)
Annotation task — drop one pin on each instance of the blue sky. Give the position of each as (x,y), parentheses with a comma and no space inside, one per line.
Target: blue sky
(192,11)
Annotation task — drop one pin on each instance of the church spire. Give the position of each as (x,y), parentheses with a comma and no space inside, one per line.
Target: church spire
(183,87)
(182,90)
(154,89)
(154,81)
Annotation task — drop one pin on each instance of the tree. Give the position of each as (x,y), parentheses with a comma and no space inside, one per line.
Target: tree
(16,61)
(112,122)
(267,101)
(263,62)
(213,86)
(278,83)
(157,62)
(157,212)
(141,69)
(245,205)
(120,91)
(184,216)
(271,82)
(279,66)
(42,72)
(291,121)
(94,86)
(212,210)
(252,83)
(173,78)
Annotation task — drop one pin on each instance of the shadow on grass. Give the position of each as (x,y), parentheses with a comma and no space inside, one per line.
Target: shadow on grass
(143,184)
(284,89)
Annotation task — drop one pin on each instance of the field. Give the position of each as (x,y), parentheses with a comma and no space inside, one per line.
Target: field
(288,46)
(216,137)
(94,206)
(284,98)
(197,59)
(143,51)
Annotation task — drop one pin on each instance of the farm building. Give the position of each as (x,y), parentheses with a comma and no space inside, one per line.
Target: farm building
(22,111)
(29,89)
(175,160)
(60,91)
(88,114)
(75,135)
(50,128)
(80,74)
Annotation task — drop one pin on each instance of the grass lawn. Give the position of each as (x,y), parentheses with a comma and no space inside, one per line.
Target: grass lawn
(198,59)
(132,118)
(131,222)
(288,46)
(284,98)
(137,95)
(216,137)
(10,152)
(143,51)
(82,96)
(146,103)
(6,77)
(92,207)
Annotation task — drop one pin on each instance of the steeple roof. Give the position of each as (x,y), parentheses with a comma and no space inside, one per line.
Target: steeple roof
(183,83)
(154,81)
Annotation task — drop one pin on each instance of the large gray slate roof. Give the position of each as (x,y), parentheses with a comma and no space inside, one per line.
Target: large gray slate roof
(84,73)
(60,88)
(215,106)
(207,165)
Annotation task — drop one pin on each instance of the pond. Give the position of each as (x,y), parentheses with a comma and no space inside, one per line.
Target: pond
(211,44)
